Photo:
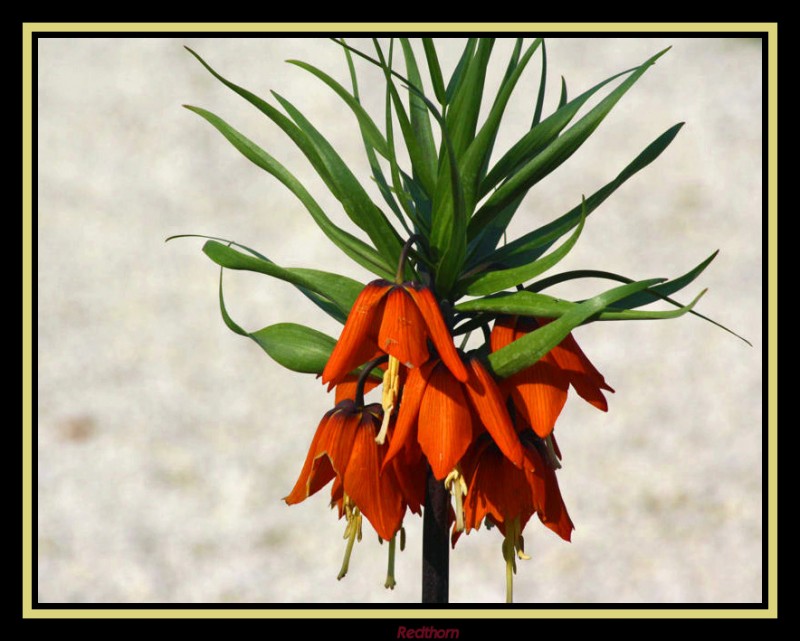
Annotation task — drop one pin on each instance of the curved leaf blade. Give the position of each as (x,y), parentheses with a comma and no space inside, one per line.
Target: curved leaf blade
(339,290)
(357,249)
(555,153)
(296,347)
(368,127)
(497,280)
(525,351)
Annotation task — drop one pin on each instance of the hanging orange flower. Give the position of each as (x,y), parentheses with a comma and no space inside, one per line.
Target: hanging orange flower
(503,492)
(445,415)
(540,391)
(344,448)
(395,319)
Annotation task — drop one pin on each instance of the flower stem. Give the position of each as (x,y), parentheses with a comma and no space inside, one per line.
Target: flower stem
(435,550)
(362,379)
(510,579)
(401,264)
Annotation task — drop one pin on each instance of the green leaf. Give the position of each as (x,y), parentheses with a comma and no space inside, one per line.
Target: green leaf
(420,162)
(527,303)
(478,149)
(357,249)
(494,281)
(368,128)
(554,153)
(533,244)
(660,292)
(523,303)
(420,120)
(462,114)
(328,165)
(537,112)
(339,290)
(296,347)
(345,186)
(562,100)
(525,351)
(232,325)
(434,69)
(458,74)
(377,172)
(449,223)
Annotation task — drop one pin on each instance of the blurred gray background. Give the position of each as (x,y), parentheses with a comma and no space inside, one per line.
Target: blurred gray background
(166,442)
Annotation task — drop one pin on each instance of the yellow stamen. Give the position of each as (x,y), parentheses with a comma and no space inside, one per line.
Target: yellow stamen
(352,532)
(390,582)
(513,547)
(457,486)
(391,387)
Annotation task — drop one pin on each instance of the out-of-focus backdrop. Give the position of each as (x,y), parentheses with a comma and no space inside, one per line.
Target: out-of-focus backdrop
(166,442)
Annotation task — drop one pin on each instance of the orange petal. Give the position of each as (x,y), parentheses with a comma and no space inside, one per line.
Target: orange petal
(410,403)
(546,494)
(403,333)
(377,495)
(445,422)
(302,488)
(437,329)
(584,377)
(411,470)
(488,402)
(358,341)
(339,445)
(497,489)
(539,393)
(503,332)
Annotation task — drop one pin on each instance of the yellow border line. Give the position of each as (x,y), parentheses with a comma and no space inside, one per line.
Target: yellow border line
(400,26)
(772,306)
(27,280)
(27,323)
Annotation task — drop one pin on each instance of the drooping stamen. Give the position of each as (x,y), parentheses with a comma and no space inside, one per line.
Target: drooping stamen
(401,264)
(391,388)
(351,532)
(513,547)
(457,486)
(390,582)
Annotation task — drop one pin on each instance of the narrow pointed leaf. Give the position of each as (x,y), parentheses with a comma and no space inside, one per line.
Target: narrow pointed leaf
(458,74)
(496,280)
(476,156)
(339,290)
(434,69)
(525,351)
(420,120)
(345,186)
(526,303)
(232,325)
(537,112)
(358,250)
(377,171)
(419,162)
(324,160)
(296,347)
(368,127)
(535,243)
(462,115)
(555,153)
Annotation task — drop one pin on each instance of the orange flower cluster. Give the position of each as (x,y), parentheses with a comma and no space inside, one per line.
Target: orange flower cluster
(491,442)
